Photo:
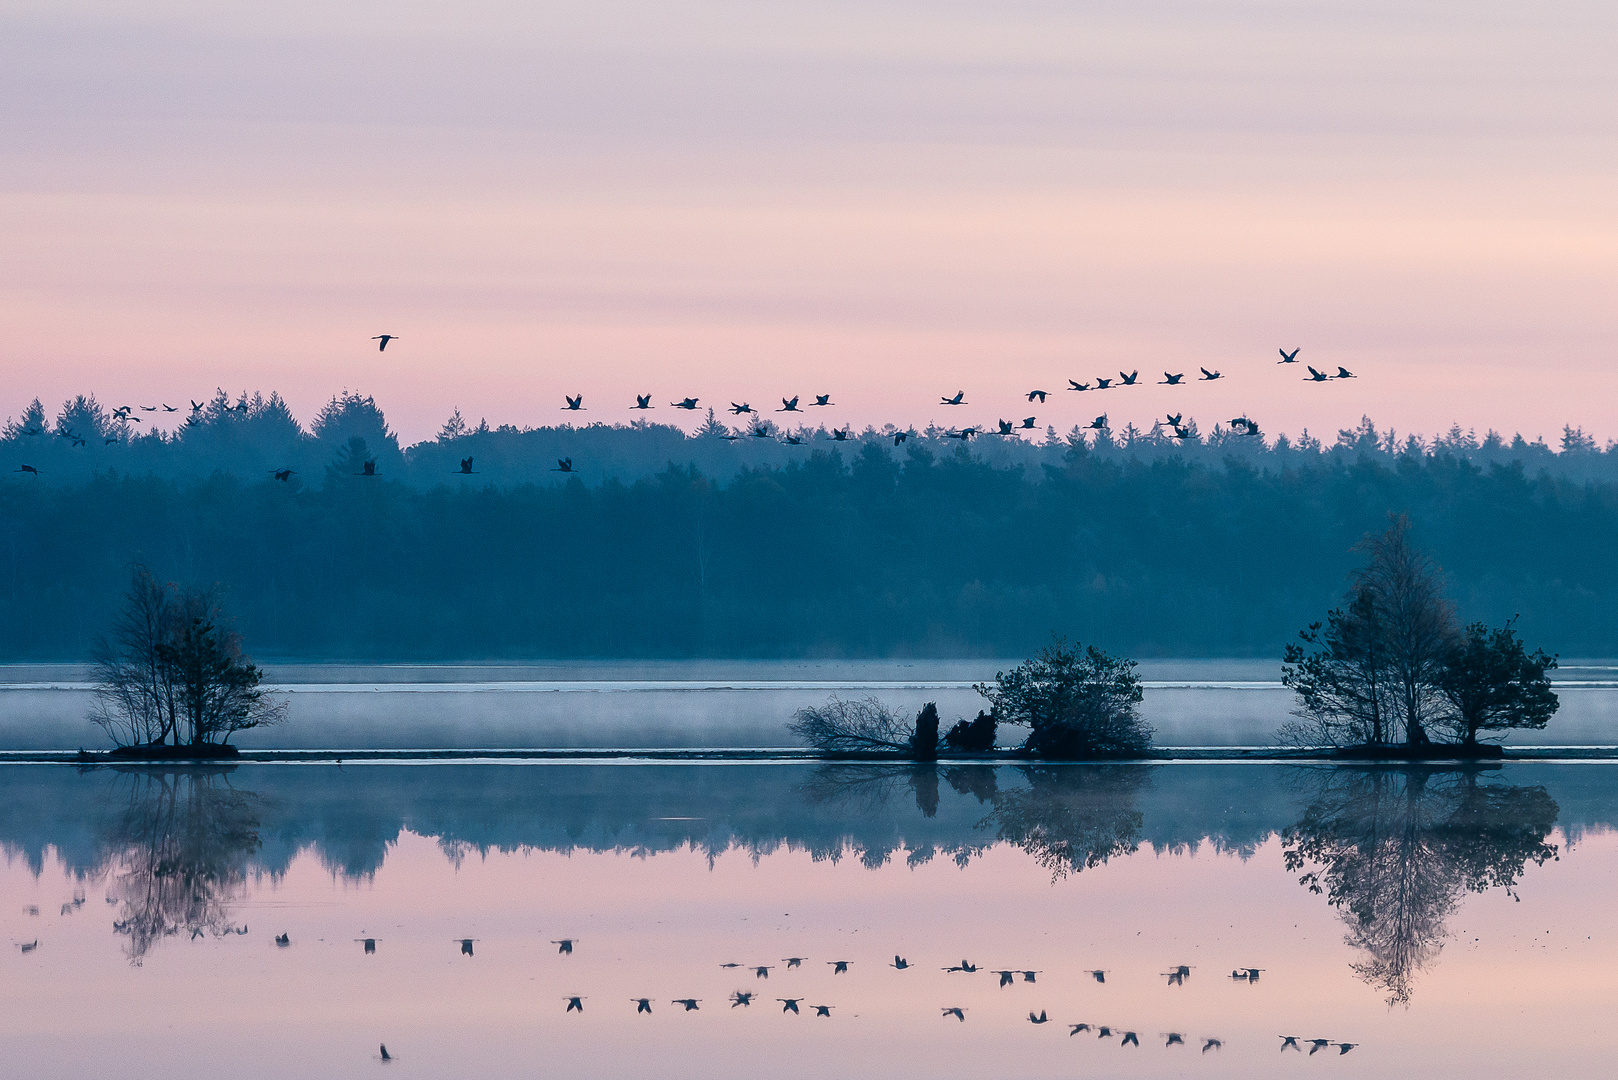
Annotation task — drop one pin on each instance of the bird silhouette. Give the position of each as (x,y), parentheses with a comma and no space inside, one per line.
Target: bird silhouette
(1211,1044)
(168,408)
(466,467)
(563,465)
(1173,419)
(1316,376)
(1028,976)
(642,1005)
(466,946)
(643,401)
(742,998)
(283,475)
(762,971)
(1343,1048)
(1210,376)
(384,339)
(1287,357)
(789,405)
(1178,975)
(283,940)
(822,1010)
(1246,974)
(1129,1037)
(730,436)
(1343,373)
(28,469)
(575,1003)
(1006,428)
(838,967)
(144,408)
(899,963)
(965,965)
(1171,380)
(1289,1042)
(1098,975)
(574,404)
(958,399)
(685,403)
(1103,1032)
(840,436)
(1071,385)
(1039,1019)
(564,947)
(77,441)
(194,406)
(1028,423)
(1128,380)
(370,944)
(1180,432)
(823,399)
(964,434)
(1099,423)
(1038,395)
(1076,1028)
(794,961)
(28,946)
(1103,384)
(760,432)
(689,1003)
(385,1055)
(790,1005)
(793,440)
(1317,1045)
(959,1014)
(1006,977)
(367,469)
(901,436)
(1172,1038)
(737,410)
(727,966)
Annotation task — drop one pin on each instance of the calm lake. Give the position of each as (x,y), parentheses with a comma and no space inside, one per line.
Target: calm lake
(1435,922)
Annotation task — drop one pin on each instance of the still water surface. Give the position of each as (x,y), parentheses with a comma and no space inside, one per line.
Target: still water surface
(1443,922)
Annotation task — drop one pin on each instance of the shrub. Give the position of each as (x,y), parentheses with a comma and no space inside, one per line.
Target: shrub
(1077,702)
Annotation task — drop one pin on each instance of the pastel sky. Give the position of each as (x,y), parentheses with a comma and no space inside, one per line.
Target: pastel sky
(889,200)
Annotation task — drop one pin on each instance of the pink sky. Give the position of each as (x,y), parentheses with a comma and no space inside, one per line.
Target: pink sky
(887,201)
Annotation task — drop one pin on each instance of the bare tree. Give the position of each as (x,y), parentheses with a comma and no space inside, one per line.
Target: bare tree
(1416,621)
(840,727)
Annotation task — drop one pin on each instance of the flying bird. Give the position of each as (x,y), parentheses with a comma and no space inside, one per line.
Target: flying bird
(28,946)
(1317,1045)
(563,465)
(762,971)
(1289,1042)
(1316,376)
(367,469)
(283,940)
(1071,385)
(899,963)
(168,408)
(1027,423)
(574,404)
(959,1014)
(642,1005)
(685,403)
(370,944)
(643,401)
(838,967)
(958,399)
(1099,423)
(689,1003)
(1037,394)
(1287,357)
(744,407)
(194,406)
(790,1005)
(109,440)
(1040,1019)
(794,961)
(1173,1038)
(1343,1048)
(793,440)
(466,466)
(144,408)
(1210,376)
(1128,380)
(1006,428)
(965,965)
(740,998)
(1343,373)
(574,1004)
(822,1010)
(760,432)
(564,947)
(1171,380)
(1076,1028)
(285,475)
(901,436)
(1098,976)
(840,436)
(1028,976)
(385,1055)
(1211,1044)
(789,405)
(823,399)
(384,339)
(1103,384)
(1130,1037)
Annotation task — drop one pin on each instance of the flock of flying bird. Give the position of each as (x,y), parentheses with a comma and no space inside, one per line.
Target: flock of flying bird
(1176,976)
(759,429)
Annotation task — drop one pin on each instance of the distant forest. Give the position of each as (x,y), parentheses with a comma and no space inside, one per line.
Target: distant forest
(666,544)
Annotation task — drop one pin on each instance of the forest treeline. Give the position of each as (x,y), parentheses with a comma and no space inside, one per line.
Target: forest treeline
(861,549)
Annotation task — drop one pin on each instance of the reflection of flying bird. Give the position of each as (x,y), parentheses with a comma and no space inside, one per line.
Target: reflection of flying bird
(575,1003)
(564,947)
(794,961)
(384,339)
(283,940)
(1130,1037)
(563,465)
(1211,1044)
(790,1005)
(689,1003)
(1037,394)
(1317,1045)
(1098,975)
(822,1010)
(899,963)
(1039,1019)
(959,1014)
(642,1005)
(1172,1038)
(838,967)
(1287,357)
(1076,1028)
(1006,977)
(740,997)
(1343,1048)
(1289,1042)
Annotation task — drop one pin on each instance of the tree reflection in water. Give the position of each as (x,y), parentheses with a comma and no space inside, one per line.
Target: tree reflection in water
(1396,848)
(178,854)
